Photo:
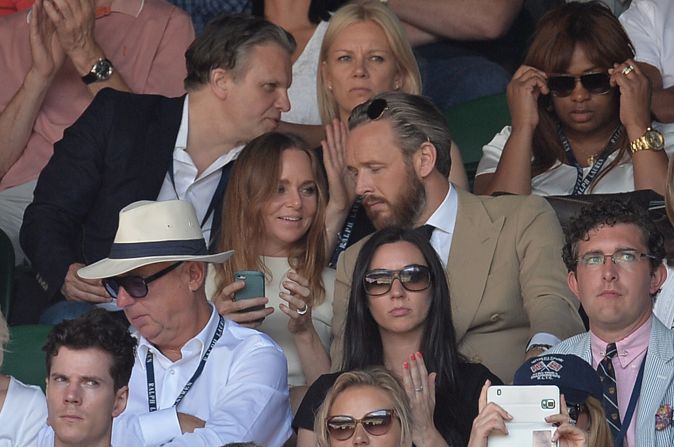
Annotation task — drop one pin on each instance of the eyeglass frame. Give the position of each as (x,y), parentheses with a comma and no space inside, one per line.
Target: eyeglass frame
(577,79)
(640,255)
(396,275)
(390,413)
(145,281)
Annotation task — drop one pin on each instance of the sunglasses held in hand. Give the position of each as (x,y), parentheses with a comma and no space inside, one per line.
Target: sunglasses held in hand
(376,423)
(562,85)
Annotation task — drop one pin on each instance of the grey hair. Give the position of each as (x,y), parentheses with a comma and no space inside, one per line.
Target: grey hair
(415,120)
(227,43)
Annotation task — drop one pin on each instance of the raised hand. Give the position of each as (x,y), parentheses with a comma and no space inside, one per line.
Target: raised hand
(47,53)
(527,84)
(239,311)
(635,95)
(74,23)
(298,297)
(420,388)
(491,418)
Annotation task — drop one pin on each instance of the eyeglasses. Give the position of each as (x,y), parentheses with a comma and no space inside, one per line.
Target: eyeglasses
(575,411)
(376,423)
(595,83)
(623,258)
(135,286)
(413,278)
(376,109)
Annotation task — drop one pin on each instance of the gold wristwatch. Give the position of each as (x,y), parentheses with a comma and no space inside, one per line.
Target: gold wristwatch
(651,140)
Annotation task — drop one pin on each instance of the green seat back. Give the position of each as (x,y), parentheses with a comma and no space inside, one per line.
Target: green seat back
(473,124)
(6,274)
(24,358)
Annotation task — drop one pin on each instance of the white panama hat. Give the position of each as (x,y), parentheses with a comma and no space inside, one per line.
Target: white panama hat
(151,232)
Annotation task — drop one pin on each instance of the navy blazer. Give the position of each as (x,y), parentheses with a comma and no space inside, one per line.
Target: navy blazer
(116,153)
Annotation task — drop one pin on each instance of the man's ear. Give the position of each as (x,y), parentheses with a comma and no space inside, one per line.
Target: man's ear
(121,398)
(220,81)
(197,274)
(572,281)
(657,278)
(424,159)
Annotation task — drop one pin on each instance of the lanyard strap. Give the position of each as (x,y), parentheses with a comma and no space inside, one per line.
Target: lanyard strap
(149,369)
(217,195)
(345,234)
(636,391)
(583,183)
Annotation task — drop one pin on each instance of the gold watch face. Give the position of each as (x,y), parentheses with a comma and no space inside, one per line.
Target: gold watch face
(654,139)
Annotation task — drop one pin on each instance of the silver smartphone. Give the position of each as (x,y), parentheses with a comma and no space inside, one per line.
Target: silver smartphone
(529,405)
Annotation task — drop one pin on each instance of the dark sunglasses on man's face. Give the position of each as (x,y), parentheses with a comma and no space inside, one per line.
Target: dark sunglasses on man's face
(376,423)
(595,83)
(135,286)
(413,278)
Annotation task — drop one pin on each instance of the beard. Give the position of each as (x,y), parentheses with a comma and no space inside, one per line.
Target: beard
(404,209)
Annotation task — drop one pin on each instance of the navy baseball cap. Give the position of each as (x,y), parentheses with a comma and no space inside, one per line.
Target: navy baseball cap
(574,377)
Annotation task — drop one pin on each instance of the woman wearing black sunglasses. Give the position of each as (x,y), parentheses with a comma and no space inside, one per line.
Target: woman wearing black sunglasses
(580,114)
(399,317)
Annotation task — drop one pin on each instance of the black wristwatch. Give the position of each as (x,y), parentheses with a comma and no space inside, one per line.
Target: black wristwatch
(101,71)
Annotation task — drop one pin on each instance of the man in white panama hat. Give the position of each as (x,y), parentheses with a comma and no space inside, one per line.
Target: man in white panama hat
(198,379)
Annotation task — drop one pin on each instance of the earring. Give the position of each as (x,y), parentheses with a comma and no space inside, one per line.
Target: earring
(330,87)
(397,86)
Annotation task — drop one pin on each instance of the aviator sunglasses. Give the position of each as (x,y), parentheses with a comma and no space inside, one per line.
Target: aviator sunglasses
(376,423)
(135,286)
(596,83)
(413,278)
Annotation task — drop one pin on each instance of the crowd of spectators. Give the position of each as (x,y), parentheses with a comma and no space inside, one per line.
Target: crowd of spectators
(247,223)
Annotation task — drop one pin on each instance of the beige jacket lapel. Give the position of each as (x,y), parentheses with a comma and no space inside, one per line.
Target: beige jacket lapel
(470,257)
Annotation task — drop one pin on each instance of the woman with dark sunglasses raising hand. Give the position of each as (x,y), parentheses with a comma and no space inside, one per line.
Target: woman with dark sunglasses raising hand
(580,111)
(399,317)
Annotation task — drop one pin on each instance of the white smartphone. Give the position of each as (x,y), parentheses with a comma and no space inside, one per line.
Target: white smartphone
(529,405)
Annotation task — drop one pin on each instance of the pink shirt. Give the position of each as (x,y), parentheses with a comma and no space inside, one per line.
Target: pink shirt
(631,353)
(146,42)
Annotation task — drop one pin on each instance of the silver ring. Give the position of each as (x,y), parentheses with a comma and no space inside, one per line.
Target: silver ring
(627,70)
(419,390)
(303,310)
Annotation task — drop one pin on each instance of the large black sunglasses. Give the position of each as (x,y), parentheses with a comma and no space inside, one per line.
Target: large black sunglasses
(135,286)
(413,278)
(376,423)
(596,83)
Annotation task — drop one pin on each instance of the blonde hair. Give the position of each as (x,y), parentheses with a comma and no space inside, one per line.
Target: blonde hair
(253,181)
(376,377)
(599,434)
(364,11)
(4,337)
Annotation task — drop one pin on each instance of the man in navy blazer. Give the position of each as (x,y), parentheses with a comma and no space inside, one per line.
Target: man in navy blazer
(128,147)
(614,256)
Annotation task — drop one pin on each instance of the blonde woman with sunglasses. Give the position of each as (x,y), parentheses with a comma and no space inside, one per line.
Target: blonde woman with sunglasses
(367,407)
(580,110)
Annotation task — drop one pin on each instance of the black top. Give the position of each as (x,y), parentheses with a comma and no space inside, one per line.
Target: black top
(471,378)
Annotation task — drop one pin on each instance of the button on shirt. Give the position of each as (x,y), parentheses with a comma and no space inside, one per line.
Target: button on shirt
(631,353)
(242,393)
(196,188)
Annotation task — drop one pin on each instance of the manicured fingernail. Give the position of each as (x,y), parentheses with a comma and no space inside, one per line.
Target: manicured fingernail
(419,355)
(406,365)
(412,357)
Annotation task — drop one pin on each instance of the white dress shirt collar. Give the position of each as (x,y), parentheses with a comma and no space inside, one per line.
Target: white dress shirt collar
(444,221)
